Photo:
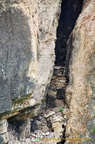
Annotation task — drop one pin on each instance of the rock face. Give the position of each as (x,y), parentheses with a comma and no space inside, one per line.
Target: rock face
(81,69)
(27,41)
(27,56)
(17,53)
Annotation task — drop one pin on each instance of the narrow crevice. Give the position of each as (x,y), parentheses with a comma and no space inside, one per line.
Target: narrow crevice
(45,124)
(64,137)
(70,11)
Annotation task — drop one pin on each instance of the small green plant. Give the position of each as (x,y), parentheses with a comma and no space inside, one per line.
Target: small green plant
(61,109)
(92,130)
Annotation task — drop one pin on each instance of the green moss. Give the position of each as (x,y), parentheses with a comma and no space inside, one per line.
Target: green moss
(61,109)
(7,114)
(22,98)
(92,131)
(19,114)
(20,107)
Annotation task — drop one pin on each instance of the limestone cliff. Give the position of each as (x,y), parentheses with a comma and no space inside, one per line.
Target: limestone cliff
(80,90)
(47,85)
(27,41)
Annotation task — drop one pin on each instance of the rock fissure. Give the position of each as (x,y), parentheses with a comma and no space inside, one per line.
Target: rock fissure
(52,123)
(48,103)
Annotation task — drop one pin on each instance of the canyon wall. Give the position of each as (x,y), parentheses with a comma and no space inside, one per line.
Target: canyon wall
(27,42)
(27,55)
(80,64)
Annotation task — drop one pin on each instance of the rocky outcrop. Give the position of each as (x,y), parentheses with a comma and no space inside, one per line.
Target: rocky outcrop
(40,102)
(27,41)
(49,126)
(81,69)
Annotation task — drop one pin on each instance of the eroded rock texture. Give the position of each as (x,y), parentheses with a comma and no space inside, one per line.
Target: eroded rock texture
(27,35)
(27,55)
(80,91)
(27,42)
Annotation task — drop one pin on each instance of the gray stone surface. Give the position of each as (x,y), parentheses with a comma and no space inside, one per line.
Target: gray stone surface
(3,126)
(91,130)
(1,140)
(27,42)
(15,56)
(5,138)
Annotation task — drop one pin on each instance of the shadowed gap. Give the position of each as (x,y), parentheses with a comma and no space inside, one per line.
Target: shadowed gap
(70,11)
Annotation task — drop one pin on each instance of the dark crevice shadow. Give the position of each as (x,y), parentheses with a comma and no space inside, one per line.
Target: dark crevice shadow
(70,11)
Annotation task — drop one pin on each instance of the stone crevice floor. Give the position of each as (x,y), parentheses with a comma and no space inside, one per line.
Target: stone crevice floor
(49,127)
